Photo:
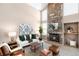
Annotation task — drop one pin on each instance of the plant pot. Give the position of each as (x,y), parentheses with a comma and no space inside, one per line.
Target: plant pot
(40,39)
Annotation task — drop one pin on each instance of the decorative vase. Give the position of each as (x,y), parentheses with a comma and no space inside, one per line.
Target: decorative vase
(40,39)
(69,31)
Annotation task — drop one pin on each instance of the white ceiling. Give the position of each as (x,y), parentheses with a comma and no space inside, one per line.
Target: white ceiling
(38,6)
(69,8)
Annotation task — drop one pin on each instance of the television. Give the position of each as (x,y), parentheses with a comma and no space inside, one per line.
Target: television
(54,26)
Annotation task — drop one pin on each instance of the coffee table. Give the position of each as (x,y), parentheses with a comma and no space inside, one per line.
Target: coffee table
(34,46)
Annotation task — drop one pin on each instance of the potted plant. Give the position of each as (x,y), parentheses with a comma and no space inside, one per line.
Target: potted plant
(40,31)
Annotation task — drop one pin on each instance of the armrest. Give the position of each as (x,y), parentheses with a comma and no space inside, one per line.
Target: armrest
(5,44)
(19,52)
(18,48)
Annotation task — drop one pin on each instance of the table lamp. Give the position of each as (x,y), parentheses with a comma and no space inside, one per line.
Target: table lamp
(12,35)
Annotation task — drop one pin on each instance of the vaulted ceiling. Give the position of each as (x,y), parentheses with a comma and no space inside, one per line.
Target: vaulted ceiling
(69,8)
(38,6)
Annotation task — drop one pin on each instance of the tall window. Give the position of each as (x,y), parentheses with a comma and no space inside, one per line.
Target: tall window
(44,21)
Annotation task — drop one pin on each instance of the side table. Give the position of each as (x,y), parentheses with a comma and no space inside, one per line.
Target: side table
(42,43)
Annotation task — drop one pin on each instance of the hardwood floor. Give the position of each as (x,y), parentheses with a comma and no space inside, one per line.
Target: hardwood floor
(64,50)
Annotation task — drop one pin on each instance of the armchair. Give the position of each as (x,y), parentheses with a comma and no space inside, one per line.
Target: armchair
(6,51)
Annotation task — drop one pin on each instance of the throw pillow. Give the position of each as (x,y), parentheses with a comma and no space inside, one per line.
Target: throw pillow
(33,36)
(13,45)
(28,38)
(22,38)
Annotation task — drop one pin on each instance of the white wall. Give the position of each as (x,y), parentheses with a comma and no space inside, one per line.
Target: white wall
(11,15)
(71,12)
(71,18)
(70,8)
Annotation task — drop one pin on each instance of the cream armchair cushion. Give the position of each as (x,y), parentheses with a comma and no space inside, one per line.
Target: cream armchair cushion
(22,43)
(35,40)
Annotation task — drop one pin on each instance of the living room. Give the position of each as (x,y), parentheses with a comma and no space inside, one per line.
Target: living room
(39,29)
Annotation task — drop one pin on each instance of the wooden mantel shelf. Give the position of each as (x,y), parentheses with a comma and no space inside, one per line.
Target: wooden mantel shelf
(71,33)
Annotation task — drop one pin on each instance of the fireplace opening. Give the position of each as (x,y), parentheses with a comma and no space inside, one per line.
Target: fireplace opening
(54,37)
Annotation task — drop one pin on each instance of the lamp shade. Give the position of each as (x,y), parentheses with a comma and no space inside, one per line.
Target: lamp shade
(12,34)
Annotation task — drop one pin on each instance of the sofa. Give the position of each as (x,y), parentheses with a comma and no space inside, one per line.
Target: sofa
(25,40)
